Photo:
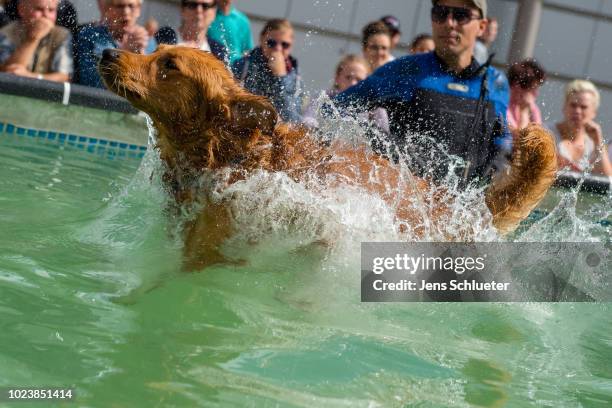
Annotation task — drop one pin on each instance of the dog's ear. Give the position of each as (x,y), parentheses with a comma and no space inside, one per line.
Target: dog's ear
(250,112)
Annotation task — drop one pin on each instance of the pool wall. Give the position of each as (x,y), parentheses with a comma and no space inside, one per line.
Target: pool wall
(85,117)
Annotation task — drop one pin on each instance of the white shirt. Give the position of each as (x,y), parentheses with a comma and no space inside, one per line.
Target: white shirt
(204,46)
(589,149)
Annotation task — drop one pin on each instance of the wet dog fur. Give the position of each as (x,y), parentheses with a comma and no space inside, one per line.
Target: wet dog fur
(206,122)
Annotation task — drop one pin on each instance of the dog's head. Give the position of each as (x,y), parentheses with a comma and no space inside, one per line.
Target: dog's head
(182,86)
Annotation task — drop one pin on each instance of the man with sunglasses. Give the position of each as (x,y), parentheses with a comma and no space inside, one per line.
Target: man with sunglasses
(196,17)
(270,70)
(442,103)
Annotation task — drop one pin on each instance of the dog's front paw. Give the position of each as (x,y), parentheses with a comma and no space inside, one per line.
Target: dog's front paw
(534,149)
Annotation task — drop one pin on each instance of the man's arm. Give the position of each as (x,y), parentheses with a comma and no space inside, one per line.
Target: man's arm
(361,97)
(22,71)
(21,56)
(62,66)
(24,54)
(371,92)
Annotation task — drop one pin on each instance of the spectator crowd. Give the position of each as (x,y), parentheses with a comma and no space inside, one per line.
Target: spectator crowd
(447,86)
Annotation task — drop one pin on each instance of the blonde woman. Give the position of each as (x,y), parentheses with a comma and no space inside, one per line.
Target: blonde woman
(271,71)
(579,137)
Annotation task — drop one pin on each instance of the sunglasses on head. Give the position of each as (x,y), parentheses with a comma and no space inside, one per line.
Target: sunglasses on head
(193,5)
(273,43)
(461,15)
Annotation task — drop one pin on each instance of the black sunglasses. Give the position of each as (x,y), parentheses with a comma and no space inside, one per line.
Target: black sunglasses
(461,15)
(273,43)
(193,5)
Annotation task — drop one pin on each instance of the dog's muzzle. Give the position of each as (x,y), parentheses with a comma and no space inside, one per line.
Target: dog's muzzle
(107,67)
(110,56)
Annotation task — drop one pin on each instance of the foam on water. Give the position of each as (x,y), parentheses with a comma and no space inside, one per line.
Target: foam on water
(273,215)
(325,210)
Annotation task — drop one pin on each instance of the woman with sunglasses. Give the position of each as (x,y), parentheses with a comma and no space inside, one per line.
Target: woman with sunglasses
(270,70)
(526,78)
(443,103)
(196,17)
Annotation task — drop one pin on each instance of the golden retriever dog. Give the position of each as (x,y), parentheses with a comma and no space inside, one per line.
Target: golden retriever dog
(208,123)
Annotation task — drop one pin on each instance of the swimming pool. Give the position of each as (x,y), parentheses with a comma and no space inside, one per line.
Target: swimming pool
(92,297)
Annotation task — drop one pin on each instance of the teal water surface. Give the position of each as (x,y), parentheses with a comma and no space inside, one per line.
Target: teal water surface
(92,297)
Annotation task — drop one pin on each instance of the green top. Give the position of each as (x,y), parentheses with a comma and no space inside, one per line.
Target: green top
(233,31)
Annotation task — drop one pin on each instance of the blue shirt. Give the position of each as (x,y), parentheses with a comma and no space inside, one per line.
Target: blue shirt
(233,31)
(285,92)
(422,96)
(91,41)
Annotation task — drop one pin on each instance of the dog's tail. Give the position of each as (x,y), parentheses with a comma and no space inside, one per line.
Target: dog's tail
(512,196)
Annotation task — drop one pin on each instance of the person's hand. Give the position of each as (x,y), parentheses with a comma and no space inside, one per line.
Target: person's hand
(18,69)
(277,64)
(39,29)
(531,97)
(593,129)
(135,39)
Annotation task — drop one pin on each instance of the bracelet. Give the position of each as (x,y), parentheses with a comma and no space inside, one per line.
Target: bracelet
(39,76)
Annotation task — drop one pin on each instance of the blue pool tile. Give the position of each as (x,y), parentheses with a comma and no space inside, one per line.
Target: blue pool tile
(110,148)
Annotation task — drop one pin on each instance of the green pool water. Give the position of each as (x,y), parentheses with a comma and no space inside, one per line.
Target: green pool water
(92,297)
